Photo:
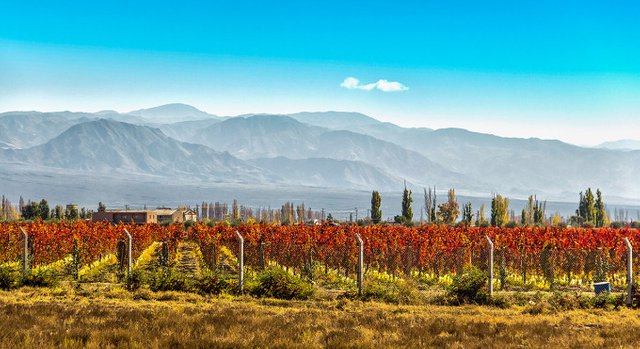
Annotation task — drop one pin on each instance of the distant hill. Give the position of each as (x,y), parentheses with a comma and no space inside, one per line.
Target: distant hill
(112,147)
(187,130)
(170,113)
(335,120)
(30,128)
(268,136)
(334,149)
(623,144)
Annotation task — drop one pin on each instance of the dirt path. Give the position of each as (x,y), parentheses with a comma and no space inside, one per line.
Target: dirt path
(187,261)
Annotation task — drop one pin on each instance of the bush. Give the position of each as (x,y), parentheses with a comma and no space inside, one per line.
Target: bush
(468,287)
(133,280)
(166,279)
(7,278)
(395,292)
(276,282)
(39,277)
(212,283)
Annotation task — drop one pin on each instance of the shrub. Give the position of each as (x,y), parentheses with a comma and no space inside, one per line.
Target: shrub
(212,283)
(133,280)
(468,287)
(39,277)
(606,300)
(166,279)
(7,278)
(395,291)
(276,282)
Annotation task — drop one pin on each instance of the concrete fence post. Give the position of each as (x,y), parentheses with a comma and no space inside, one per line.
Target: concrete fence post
(490,265)
(129,262)
(240,262)
(360,263)
(629,272)
(25,251)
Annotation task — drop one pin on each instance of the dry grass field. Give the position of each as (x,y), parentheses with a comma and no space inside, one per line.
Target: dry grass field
(108,317)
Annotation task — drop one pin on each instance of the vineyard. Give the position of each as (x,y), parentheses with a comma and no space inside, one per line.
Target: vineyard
(525,259)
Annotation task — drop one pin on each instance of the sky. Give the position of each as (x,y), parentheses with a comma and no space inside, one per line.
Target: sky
(566,70)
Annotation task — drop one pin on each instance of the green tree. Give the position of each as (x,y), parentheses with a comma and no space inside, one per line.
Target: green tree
(31,211)
(467,215)
(71,212)
(43,209)
(376,212)
(59,212)
(601,213)
(523,218)
(539,209)
(586,212)
(407,212)
(450,210)
(499,211)
(101,207)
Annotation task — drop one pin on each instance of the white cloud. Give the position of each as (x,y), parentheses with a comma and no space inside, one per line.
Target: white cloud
(382,85)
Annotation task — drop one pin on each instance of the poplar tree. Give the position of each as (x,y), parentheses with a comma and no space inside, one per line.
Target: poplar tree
(376,212)
(601,213)
(407,212)
(499,211)
(467,215)
(43,209)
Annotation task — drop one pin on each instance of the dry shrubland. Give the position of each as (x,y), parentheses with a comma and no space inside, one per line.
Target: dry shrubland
(107,316)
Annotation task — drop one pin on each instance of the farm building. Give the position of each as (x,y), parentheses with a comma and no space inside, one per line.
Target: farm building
(125,216)
(164,215)
(180,215)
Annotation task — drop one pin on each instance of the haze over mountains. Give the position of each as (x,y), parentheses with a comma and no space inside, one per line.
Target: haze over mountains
(340,151)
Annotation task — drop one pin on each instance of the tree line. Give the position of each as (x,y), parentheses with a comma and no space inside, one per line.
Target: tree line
(591,211)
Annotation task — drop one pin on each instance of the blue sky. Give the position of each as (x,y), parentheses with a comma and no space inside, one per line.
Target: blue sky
(544,69)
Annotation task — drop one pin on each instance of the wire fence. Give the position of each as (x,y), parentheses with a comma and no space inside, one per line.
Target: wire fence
(550,269)
(524,259)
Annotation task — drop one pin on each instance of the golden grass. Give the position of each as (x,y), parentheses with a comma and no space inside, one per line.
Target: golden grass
(104,315)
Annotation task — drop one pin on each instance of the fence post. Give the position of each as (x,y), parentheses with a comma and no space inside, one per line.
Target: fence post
(360,263)
(490,264)
(629,272)
(240,262)
(25,251)
(129,262)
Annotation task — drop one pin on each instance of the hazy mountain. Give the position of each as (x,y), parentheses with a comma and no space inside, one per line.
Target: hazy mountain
(360,151)
(30,128)
(112,147)
(330,173)
(261,136)
(335,120)
(623,144)
(186,130)
(26,129)
(171,113)
(520,166)
(361,123)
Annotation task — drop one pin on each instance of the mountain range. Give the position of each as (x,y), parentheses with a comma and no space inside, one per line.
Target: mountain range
(178,143)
